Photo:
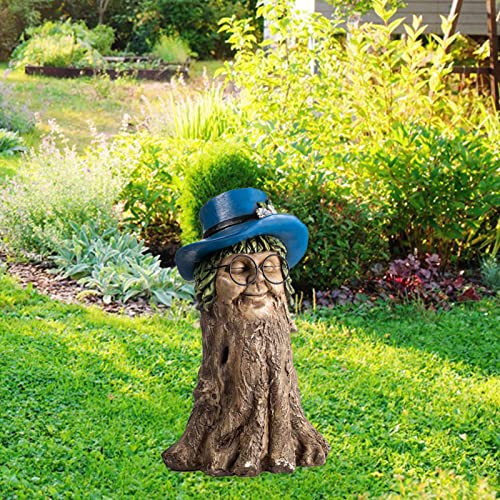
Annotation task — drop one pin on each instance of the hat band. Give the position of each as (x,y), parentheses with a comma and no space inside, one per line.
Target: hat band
(228,223)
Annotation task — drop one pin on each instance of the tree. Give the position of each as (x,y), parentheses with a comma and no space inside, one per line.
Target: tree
(102,5)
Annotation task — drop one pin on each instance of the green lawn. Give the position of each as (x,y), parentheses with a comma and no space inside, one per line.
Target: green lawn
(74,103)
(408,399)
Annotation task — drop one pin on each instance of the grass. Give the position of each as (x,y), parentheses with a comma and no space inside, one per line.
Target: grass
(74,104)
(408,399)
(77,104)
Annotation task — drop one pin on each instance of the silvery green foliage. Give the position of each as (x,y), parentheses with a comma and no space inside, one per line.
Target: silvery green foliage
(118,266)
(10,143)
(490,272)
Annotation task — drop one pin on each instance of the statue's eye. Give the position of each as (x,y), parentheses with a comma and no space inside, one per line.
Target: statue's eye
(239,269)
(270,268)
(241,265)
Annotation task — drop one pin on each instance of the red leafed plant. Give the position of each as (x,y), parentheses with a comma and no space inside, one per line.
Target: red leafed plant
(406,280)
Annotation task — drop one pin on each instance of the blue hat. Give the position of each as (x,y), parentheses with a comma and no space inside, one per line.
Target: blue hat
(235,216)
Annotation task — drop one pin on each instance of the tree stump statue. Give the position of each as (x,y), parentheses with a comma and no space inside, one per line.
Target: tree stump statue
(247,415)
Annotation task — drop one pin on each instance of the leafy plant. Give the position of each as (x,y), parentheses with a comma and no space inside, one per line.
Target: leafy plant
(195,21)
(10,143)
(16,15)
(490,272)
(345,233)
(218,167)
(118,266)
(406,280)
(437,188)
(56,186)
(150,197)
(172,49)
(63,44)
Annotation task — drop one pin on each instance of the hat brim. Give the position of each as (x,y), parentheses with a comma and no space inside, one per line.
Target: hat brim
(287,228)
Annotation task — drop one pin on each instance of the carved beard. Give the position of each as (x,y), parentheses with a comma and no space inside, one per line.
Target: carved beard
(247,416)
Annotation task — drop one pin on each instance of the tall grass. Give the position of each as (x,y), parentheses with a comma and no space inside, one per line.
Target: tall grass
(205,114)
(172,49)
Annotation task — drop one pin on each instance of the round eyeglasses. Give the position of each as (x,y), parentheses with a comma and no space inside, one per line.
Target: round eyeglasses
(243,269)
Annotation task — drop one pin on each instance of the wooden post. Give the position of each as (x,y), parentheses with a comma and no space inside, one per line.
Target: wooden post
(456,7)
(494,66)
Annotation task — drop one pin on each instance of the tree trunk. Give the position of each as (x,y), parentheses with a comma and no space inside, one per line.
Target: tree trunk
(102,6)
(247,415)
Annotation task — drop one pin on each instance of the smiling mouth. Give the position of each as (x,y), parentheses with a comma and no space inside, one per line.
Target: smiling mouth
(254,294)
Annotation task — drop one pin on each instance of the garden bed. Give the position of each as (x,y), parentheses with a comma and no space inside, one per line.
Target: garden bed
(162,74)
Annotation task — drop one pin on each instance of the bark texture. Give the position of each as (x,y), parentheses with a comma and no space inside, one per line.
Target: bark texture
(247,415)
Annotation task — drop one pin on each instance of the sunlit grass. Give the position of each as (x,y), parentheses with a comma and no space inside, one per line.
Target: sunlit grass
(74,103)
(90,400)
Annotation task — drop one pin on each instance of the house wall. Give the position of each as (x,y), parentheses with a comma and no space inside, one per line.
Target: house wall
(471,21)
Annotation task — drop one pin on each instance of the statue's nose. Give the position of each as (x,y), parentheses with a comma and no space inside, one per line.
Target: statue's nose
(259,280)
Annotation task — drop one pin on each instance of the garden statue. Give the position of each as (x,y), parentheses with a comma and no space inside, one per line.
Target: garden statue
(247,415)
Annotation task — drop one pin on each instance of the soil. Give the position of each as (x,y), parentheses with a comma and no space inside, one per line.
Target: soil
(43,278)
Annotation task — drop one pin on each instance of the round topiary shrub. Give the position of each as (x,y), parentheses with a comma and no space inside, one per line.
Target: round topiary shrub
(219,167)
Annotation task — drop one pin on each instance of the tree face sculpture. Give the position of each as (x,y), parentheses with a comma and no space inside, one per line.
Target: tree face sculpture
(251,284)
(247,416)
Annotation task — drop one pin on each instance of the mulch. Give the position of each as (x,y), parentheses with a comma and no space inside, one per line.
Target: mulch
(42,277)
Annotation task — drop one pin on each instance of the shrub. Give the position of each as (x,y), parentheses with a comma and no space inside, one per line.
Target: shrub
(57,187)
(195,21)
(16,15)
(64,43)
(345,234)
(172,49)
(325,105)
(12,116)
(118,267)
(218,167)
(437,188)
(150,199)
(490,272)
(10,143)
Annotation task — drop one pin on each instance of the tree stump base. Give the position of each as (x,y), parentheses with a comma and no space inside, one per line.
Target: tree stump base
(247,416)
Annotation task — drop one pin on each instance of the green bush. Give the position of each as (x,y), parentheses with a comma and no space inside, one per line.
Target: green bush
(57,187)
(63,44)
(16,15)
(118,267)
(490,272)
(151,194)
(219,167)
(195,21)
(436,188)
(172,49)
(345,235)
(10,143)
(324,105)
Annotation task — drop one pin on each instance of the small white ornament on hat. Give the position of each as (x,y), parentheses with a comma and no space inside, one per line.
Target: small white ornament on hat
(265,209)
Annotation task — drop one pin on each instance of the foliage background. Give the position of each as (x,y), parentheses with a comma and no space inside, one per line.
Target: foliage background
(138,24)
